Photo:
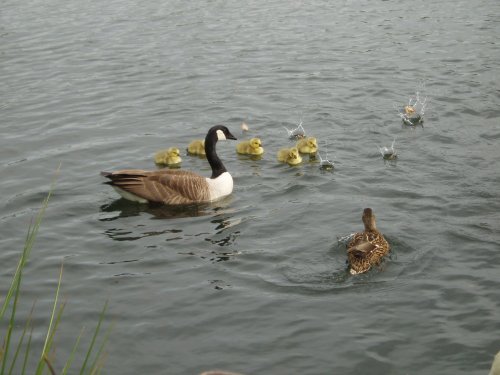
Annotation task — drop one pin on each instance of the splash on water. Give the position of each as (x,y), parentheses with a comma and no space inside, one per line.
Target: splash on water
(344,240)
(297,133)
(389,153)
(325,164)
(413,113)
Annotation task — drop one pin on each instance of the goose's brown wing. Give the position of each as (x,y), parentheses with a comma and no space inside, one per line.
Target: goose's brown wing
(162,186)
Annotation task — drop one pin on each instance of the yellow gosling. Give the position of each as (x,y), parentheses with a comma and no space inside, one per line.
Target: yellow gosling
(307,145)
(170,156)
(251,147)
(197,147)
(367,248)
(290,156)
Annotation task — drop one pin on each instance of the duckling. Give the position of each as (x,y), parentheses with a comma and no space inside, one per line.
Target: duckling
(169,157)
(251,147)
(367,248)
(409,110)
(197,147)
(307,145)
(290,156)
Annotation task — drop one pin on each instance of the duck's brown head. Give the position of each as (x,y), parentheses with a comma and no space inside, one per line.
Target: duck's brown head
(369,220)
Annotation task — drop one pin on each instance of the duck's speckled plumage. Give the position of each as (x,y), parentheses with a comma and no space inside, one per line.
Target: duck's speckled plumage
(366,249)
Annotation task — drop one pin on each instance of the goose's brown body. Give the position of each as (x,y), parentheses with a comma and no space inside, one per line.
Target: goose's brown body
(166,186)
(367,248)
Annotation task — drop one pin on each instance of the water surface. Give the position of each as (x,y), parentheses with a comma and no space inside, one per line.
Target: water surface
(257,283)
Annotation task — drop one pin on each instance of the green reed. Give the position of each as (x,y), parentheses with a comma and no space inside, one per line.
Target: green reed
(22,350)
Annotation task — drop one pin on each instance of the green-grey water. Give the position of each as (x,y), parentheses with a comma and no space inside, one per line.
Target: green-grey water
(257,283)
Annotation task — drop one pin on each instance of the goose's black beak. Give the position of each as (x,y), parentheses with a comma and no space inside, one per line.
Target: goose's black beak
(230,136)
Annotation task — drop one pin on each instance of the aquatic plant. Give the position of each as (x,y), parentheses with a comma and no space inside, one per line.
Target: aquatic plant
(11,352)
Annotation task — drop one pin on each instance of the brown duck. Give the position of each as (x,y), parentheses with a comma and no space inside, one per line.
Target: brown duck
(367,248)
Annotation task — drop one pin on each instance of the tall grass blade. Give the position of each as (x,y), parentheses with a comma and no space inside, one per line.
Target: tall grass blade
(49,365)
(50,331)
(72,354)
(98,327)
(11,321)
(27,352)
(21,339)
(98,361)
(28,245)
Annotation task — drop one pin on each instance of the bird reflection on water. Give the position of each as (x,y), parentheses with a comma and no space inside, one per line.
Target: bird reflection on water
(222,218)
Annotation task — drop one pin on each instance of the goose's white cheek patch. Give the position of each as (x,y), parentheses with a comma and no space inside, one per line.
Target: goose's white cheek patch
(220,135)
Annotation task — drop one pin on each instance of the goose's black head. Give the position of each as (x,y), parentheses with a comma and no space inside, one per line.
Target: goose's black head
(216,133)
(219,133)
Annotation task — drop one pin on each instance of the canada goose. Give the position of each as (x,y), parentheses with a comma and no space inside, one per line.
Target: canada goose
(168,157)
(367,248)
(175,187)
(196,147)
(307,145)
(251,147)
(290,156)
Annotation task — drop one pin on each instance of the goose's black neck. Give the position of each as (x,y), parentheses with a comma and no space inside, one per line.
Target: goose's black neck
(212,157)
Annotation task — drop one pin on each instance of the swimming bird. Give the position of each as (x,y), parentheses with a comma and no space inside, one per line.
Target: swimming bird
(367,248)
(409,110)
(495,366)
(251,147)
(307,145)
(389,153)
(169,157)
(197,147)
(176,187)
(290,156)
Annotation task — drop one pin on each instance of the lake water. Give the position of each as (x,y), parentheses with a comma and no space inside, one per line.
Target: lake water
(257,283)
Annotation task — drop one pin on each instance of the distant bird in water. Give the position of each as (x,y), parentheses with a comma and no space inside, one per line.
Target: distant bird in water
(177,187)
(367,248)
(290,156)
(196,147)
(251,147)
(170,157)
(307,145)
(495,366)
